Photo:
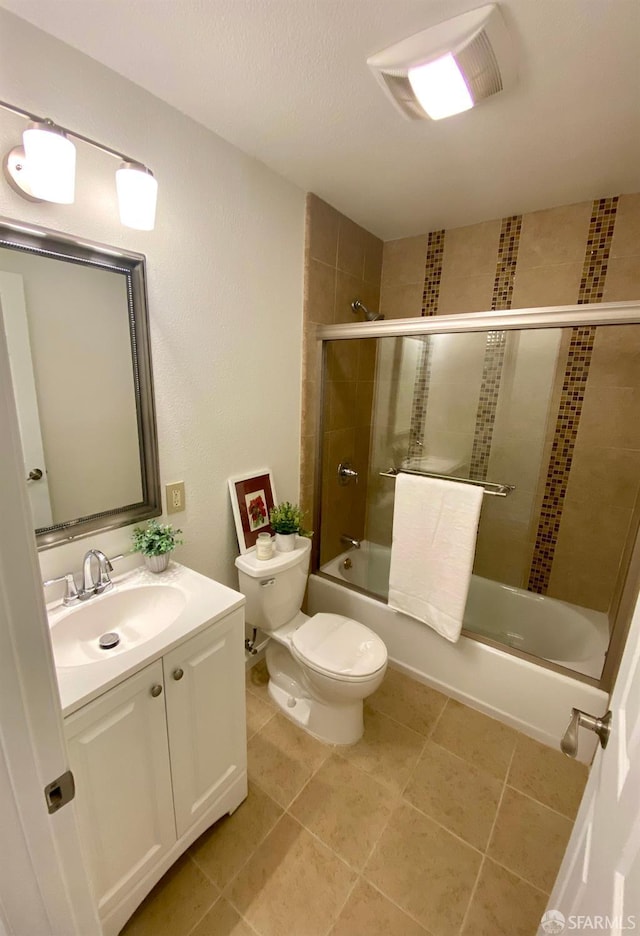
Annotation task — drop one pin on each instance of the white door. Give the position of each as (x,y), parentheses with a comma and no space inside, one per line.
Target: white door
(120,760)
(14,314)
(598,887)
(204,679)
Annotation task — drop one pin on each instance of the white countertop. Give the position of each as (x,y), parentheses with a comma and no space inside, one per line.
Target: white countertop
(207,602)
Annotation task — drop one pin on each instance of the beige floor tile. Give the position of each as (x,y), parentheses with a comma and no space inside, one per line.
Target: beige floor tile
(222,920)
(257,680)
(293,884)
(259,711)
(177,902)
(503,905)
(369,913)
(477,738)
(387,750)
(548,776)
(456,794)
(224,848)
(424,869)
(409,702)
(529,839)
(346,808)
(282,757)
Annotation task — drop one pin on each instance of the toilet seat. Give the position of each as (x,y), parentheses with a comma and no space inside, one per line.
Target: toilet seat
(339,647)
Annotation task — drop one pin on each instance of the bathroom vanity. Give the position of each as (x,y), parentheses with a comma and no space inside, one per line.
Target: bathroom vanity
(156,732)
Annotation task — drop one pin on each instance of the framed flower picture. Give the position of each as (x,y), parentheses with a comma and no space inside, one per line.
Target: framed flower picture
(252,497)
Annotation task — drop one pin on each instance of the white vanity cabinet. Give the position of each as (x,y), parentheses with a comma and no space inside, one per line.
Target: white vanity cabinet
(156,760)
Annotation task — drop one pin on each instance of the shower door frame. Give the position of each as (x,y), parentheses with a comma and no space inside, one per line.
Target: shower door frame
(571,316)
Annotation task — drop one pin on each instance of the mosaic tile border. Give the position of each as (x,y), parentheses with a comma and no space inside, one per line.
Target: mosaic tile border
(574,384)
(430,299)
(501,299)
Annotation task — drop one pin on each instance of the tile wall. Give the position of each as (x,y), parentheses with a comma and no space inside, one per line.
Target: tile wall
(581,511)
(343,262)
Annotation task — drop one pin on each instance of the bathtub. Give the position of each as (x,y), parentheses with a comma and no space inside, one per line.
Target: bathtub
(531,698)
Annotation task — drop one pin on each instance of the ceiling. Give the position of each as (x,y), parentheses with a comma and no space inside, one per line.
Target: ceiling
(287,81)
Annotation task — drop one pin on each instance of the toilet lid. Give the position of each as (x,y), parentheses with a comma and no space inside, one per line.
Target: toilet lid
(338,645)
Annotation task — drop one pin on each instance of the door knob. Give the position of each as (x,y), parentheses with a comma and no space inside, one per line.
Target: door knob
(35,474)
(601,726)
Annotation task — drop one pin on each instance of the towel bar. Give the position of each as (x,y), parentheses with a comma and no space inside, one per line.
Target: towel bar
(490,487)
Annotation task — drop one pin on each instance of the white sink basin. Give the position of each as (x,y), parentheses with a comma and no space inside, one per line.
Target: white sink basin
(135,615)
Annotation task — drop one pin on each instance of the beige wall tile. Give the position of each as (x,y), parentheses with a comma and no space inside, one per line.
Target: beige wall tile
(310,403)
(342,404)
(607,475)
(323,222)
(615,361)
(321,290)
(465,294)
(610,417)
(529,839)
(373,248)
(555,235)
(367,358)
(370,296)
(471,250)
(348,288)
(456,794)
(425,870)
(548,776)
(503,903)
(626,233)
(342,360)
(403,261)
(351,247)
(276,898)
(558,284)
(623,279)
(401,301)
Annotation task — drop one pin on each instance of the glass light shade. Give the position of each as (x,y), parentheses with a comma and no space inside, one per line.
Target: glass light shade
(51,163)
(137,194)
(440,87)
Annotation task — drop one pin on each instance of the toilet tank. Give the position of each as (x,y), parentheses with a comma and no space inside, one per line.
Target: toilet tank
(274,588)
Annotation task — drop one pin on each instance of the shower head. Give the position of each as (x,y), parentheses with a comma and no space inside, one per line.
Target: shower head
(358,306)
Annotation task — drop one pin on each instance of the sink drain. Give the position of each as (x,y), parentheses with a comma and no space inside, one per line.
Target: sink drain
(109,641)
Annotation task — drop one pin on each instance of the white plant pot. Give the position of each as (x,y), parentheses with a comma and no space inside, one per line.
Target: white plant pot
(285,542)
(157,563)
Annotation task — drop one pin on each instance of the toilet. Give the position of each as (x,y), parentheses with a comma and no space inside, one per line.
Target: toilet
(321,668)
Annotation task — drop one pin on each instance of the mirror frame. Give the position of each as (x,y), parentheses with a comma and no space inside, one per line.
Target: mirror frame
(56,245)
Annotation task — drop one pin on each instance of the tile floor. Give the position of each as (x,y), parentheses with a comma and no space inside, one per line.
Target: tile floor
(440,821)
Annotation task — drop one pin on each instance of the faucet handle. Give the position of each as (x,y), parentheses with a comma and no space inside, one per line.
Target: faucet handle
(71,593)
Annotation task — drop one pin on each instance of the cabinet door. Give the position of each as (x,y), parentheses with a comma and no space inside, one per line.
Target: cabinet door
(204,678)
(119,756)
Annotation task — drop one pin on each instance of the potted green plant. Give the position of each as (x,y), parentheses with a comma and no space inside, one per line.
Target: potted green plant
(156,542)
(286,522)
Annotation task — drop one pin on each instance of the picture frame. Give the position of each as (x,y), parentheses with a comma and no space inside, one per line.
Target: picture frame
(252,497)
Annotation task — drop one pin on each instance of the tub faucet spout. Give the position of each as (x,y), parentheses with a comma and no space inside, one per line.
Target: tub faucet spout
(350,541)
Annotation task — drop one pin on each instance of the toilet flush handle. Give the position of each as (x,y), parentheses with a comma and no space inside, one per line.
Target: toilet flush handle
(265,582)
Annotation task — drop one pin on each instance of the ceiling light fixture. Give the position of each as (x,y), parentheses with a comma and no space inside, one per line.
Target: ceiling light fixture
(447,68)
(43,169)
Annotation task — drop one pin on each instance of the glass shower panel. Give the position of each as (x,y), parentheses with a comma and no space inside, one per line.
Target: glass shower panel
(553,412)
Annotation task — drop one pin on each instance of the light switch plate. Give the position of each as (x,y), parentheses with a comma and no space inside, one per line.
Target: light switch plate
(175,497)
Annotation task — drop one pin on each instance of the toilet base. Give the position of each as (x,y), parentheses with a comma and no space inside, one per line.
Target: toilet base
(333,723)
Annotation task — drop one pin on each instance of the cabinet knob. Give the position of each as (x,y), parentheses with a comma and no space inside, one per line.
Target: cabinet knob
(178,673)
(156,691)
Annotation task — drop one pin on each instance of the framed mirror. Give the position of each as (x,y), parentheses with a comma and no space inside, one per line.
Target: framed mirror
(76,321)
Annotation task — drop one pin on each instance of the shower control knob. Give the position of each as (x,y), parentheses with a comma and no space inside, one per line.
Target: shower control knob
(601,726)
(346,473)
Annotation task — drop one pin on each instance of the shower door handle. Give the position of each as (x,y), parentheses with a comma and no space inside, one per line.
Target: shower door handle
(601,726)
(346,473)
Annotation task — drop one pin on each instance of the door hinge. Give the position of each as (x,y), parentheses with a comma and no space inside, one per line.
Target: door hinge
(60,791)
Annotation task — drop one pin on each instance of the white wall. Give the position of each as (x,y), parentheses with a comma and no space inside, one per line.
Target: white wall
(224,266)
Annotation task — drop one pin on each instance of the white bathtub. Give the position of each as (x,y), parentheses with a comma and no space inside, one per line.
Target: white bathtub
(532,698)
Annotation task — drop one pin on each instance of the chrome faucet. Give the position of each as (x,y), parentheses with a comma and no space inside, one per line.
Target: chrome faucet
(350,541)
(89,585)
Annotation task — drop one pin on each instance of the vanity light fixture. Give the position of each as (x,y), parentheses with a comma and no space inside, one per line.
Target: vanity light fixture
(43,169)
(447,68)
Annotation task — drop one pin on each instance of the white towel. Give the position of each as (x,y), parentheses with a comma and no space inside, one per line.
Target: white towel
(435,524)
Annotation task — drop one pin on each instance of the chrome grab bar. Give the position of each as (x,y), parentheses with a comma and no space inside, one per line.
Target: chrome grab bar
(490,487)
